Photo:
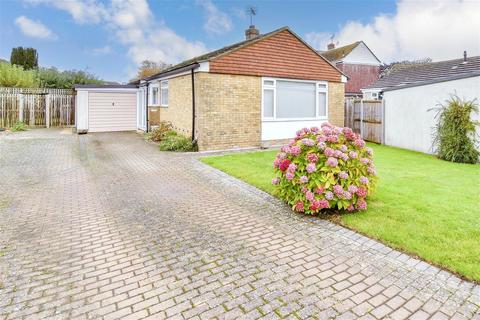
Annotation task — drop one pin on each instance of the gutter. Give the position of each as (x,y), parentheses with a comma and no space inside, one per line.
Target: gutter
(189,67)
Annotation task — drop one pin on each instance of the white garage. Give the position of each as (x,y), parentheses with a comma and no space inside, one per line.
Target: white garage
(106,108)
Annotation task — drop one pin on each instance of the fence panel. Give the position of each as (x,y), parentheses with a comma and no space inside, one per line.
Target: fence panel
(29,106)
(365,118)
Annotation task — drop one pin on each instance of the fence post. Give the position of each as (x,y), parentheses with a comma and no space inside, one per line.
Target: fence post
(361,118)
(20,108)
(47,110)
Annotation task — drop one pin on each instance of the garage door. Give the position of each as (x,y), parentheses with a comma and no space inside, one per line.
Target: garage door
(112,111)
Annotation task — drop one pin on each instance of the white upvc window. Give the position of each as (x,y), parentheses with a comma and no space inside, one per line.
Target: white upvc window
(164,93)
(153,94)
(286,99)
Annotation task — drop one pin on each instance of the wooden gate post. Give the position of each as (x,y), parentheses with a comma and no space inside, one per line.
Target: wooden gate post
(20,108)
(47,110)
(361,118)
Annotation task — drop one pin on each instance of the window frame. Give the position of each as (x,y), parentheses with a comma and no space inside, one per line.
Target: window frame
(318,89)
(163,86)
(150,94)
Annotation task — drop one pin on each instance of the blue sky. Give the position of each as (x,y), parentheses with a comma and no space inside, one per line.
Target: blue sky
(109,38)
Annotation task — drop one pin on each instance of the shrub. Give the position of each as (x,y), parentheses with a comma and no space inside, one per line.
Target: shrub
(157,134)
(15,76)
(176,142)
(326,168)
(18,126)
(455,138)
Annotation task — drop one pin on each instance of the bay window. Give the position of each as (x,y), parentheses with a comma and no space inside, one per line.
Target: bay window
(284,99)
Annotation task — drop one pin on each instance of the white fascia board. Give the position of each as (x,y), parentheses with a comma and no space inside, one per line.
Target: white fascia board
(344,79)
(108,89)
(204,67)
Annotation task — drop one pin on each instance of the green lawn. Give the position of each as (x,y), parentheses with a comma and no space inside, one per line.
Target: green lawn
(422,205)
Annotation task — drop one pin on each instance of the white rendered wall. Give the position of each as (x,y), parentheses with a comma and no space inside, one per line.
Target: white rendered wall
(361,55)
(409,124)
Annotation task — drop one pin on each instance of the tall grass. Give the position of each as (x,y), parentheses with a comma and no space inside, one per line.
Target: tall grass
(15,76)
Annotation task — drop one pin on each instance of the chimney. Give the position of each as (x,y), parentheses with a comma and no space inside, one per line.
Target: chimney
(464,56)
(251,32)
(331,46)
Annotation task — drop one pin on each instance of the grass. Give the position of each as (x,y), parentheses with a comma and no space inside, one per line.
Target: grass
(422,205)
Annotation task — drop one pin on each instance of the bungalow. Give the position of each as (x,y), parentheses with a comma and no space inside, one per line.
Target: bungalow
(358,62)
(254,93)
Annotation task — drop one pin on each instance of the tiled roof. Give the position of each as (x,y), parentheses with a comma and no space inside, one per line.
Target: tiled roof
(428,73)
(213,54)
(339,53)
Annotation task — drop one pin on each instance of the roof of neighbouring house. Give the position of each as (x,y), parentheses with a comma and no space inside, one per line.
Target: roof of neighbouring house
(216,53)
(340,52)
(420,74)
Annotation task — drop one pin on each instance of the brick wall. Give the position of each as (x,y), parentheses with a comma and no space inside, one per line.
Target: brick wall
(359,75)
(336,103)
(228,111)
(179,110)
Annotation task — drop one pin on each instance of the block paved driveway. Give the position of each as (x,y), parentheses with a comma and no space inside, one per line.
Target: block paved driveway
(106,226)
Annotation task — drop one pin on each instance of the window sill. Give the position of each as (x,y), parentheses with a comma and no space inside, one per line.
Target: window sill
(294,119)
(163,106)
(153,105)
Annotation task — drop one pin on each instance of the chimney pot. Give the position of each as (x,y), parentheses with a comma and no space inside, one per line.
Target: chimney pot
(251,32)
(331,46)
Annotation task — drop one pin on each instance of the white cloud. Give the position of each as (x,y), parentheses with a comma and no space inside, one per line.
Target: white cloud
(216,21)
(82,11)
(34,29)
(101,51)
(133,25)
(440,29)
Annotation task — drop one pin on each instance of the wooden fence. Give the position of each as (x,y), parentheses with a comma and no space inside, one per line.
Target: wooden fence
(365,117)
(37,107)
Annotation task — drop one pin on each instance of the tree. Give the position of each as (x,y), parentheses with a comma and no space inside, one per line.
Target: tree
(149,68)
(24,57)
(52,78)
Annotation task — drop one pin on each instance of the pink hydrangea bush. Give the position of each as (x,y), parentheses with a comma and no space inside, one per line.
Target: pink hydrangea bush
(325,168)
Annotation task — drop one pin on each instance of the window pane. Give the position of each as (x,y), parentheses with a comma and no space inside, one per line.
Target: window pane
(164,96)
(154,95)
(322,104)
(268,82)
(268,103)
(322,86)
(295,99)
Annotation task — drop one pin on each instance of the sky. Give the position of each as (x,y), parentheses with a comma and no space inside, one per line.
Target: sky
(110,38)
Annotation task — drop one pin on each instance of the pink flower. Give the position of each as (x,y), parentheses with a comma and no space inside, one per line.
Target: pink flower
(343,175)
(352,189)
(344,157)
(332,162)
(364,160)
(324,203)
(311,167)
(363,180)
(319,190)
(292,167)
(304,189)
(321,145)
(350,208)
(326,130)
(338,154)
(372,170)
(309,196)
(289,176)
(312,157)
(281,155)
(299,206)
(329,152)
(329,195)
(338,189)
(362,192)
(276,163)
(303,179)
(314,206)
(321,138)
(332,138)
(308,142)
(284,164)
(285,149)
(347,195)
(314,129)
(360,143)
(295,150)
(369,151)
(353,154)
(343,148)
(361,204)
(275,181)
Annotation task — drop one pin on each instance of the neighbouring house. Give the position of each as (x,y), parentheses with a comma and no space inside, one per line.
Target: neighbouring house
(358,62)
(410,94)
(254,93)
